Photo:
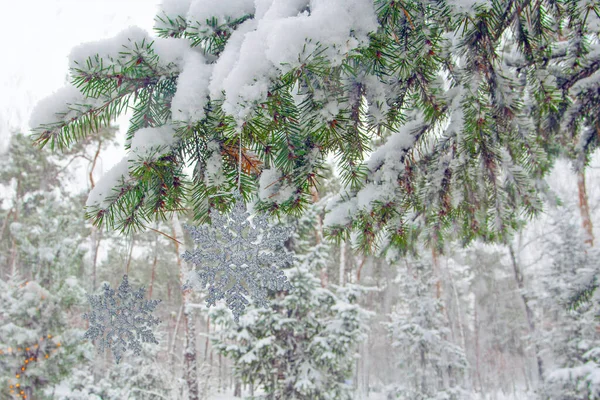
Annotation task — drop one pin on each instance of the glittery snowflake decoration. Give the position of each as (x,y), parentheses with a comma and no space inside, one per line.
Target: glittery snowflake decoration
(120,322)
(238,257)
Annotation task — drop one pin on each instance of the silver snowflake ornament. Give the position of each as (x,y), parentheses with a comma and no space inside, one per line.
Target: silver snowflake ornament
(239,257)
(121,319)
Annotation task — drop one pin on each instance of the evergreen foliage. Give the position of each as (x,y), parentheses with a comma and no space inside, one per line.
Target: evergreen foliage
(41,233)
(305,347)
(470,106)
(38,348)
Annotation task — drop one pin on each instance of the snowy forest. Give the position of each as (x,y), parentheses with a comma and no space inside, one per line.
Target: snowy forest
(422,180)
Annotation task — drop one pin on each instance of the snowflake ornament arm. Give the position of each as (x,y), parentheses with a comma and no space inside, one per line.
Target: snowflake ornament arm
(121,322)
(238,258)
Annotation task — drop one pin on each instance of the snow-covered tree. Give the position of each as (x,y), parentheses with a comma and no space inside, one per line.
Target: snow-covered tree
(38,346)
(430,365)
(41,235)
(142,378)
(573,308)
(465,100)
(306,346)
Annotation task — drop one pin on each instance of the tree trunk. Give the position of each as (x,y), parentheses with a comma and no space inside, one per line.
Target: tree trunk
(477,349)
(174,337)
(129,256)
(191,369)
(96,231)
(584,208)
(207,342)
(528,311)
(95,237)
(359,269)
(461,329)
(154,262)
(342,263)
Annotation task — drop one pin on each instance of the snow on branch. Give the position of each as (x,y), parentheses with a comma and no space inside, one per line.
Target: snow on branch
(57,107)
(131,42)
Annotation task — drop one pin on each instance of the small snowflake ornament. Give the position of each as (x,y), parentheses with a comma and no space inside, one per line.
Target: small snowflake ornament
(122,321)
(239,258)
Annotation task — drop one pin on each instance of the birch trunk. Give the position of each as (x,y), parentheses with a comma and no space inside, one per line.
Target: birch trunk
(190,356)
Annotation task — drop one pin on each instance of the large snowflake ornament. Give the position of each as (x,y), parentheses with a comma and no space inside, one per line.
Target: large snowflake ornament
(120,322)
(239,257)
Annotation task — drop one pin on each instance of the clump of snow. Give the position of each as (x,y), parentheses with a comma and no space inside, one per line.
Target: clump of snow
(259,50)
(105,186)
(279,37)
(108,48)
(456,121)
(57,107)
(591,82)
(223,10)
(272,188)
(248,358)
(339,211)
(229,58)
(213,173)
(387,159)
(330,110)
(384,164)
(170,51)
(173,9)
(146,140)
(374,192)
(377,91)
(192,89)
(268,183)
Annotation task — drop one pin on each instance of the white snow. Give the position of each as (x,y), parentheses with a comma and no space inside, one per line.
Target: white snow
(104,187)
(173,9)
(591,82)
(214,165)
(456,121)
(339,211)
(388,157)
(49,109)
(170,51)
(192,89)
(376,93)
(259,50)
(147,139)
(373,192)
(268,183)
(228,58)
(107,48)
(222,10)
(272,188)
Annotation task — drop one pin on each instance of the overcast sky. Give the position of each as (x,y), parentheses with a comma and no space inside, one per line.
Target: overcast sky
(36,37)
